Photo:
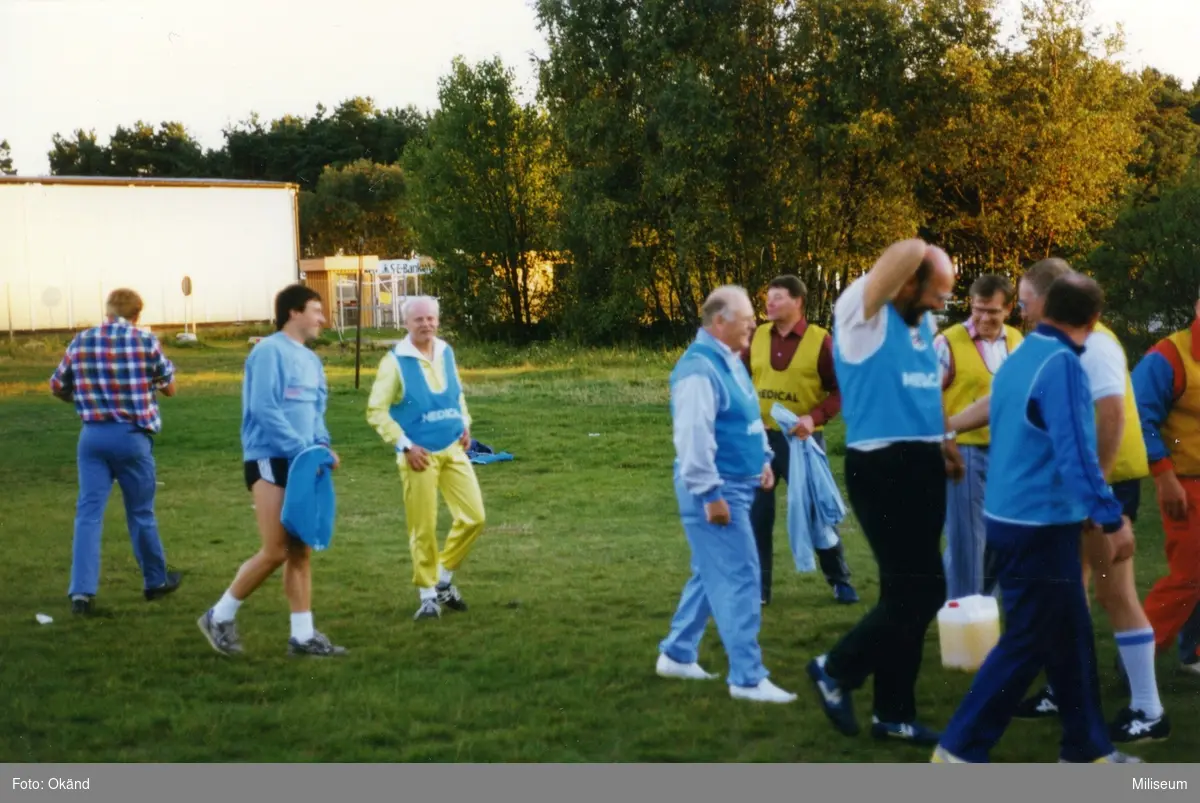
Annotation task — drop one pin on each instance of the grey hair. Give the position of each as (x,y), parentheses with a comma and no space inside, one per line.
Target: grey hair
(414,301)
(720,301)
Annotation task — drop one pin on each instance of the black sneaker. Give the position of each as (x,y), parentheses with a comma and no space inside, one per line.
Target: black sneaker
(81,604)
(837,703)
(1040,706)
(448,597)
(173,581)
(319,646)
(913,732)
(1134,726)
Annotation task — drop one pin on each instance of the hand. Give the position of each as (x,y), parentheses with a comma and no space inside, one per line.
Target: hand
(1122,541)
(804,427)
(956,469)
(1171,496)
(767,480)
(417,457)
(337,461)
(465,440)
(717,512)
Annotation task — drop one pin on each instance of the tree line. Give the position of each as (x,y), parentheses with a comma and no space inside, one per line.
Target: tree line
(675,147)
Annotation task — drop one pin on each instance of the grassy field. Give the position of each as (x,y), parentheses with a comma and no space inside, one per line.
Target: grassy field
(571,587)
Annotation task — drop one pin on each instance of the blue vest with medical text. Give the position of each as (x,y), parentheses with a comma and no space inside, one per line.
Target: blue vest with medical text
(896,393)
(738,429)
(430,420)
(1024,485)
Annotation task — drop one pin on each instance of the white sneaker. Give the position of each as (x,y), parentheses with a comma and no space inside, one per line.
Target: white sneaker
(667,668)
(764,692)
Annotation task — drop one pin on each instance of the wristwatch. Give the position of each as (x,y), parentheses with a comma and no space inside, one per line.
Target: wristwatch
(950,436)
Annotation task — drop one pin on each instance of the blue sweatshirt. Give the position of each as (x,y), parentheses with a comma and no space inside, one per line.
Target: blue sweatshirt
(1043,468)
(284,395)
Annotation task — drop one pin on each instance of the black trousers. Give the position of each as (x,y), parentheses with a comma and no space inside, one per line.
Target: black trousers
(762,520)
(898,494)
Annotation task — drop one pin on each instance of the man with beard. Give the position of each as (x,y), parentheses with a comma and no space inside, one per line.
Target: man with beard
(898,454)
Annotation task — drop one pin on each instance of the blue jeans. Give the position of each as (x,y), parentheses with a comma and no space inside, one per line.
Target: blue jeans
(967,559)
(108,451)
(1047,626)
(726,584)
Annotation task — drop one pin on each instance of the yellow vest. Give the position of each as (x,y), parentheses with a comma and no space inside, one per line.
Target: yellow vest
(1131,462)
(972,379)
(799,388)
(1181,430)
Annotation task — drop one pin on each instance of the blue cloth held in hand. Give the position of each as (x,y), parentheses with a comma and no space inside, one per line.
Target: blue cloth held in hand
(309,502)
(481,454)
(814,502)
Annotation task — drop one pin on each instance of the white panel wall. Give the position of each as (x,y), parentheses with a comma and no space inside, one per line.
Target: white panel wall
(64,247)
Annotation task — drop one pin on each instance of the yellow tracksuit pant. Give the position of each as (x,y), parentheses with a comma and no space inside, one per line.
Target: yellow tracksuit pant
(450,472)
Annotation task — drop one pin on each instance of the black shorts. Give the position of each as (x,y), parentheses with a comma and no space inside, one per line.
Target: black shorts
(1129,494)
(269,469)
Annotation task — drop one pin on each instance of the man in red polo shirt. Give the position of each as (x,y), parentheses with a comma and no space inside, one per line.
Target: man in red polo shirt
(791,362)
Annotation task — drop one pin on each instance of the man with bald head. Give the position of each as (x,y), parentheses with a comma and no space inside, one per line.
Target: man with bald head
(418,407)
(898,455)
(721,459)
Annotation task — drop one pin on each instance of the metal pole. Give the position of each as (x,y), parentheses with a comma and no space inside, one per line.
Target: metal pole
(358,328)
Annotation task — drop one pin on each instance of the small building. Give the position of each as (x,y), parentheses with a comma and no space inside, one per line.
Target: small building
(336,280)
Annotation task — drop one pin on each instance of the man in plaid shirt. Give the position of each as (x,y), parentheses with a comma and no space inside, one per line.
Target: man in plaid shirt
(111,373)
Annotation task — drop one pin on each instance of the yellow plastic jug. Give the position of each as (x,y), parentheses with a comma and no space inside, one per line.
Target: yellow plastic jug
(968,629)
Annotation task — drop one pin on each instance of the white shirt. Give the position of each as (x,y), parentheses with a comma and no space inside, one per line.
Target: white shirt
(1105,365)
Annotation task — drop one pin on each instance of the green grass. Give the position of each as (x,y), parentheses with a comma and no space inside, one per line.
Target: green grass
(571,587)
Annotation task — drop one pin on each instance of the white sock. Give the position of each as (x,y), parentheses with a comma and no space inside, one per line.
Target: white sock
(428,593)
(302,626)
(444,577)
(1137,654)
(226,609)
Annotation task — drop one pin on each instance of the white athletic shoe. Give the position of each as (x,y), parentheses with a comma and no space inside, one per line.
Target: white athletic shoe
(764,692)
(667,668)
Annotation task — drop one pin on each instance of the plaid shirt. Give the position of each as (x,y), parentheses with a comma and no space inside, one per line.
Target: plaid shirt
(111,372)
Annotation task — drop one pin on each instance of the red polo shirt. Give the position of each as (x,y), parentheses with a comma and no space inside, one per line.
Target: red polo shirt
(783,349)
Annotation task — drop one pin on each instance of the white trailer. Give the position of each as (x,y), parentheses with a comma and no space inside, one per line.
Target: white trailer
(66,242)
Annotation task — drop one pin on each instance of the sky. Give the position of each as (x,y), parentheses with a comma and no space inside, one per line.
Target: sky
(210,64)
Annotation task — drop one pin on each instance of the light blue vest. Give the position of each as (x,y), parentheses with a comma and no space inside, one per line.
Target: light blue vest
(1023,482)
(896,393)
(739,432)
(430,420)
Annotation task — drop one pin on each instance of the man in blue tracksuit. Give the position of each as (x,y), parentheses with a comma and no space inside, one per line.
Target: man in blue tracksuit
(722,457)
(1045,483)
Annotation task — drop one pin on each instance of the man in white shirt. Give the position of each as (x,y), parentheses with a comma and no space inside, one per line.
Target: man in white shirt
(898,454)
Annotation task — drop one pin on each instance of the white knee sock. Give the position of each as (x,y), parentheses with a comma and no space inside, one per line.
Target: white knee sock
(1137,654)
(302,626)
(226,609)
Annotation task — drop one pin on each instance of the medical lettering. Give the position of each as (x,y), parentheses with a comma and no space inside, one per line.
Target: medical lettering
(434,416)
(922,381)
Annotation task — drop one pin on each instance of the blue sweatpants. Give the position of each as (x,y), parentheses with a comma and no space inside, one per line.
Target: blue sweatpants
(966,555)
(109,451)
(725,584)
(1047,626)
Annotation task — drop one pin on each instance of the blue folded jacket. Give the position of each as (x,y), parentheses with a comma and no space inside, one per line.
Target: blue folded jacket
(309,503)
(814,503)
(482,454)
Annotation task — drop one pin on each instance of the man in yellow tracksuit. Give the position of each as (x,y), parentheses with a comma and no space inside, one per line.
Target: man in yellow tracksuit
(418,407)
